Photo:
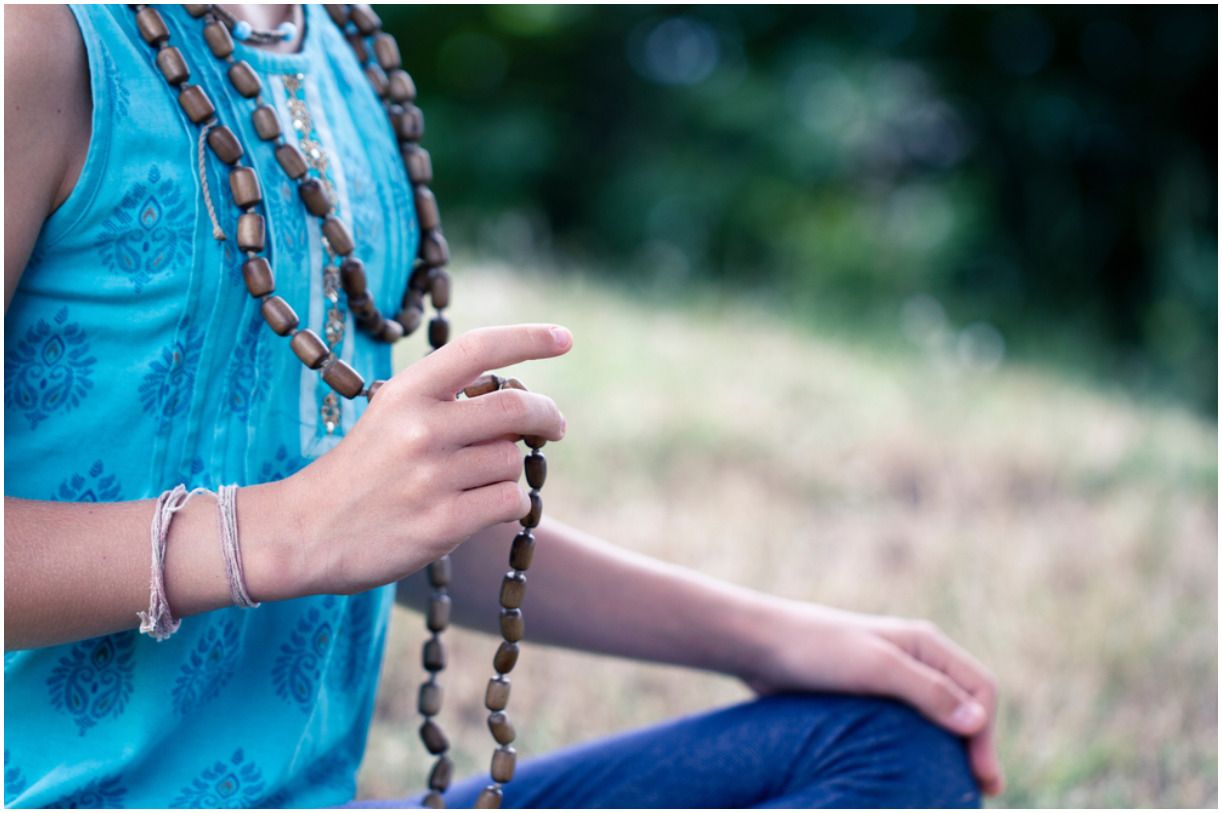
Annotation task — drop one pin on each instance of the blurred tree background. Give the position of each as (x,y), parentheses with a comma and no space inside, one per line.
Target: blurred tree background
(1021,182)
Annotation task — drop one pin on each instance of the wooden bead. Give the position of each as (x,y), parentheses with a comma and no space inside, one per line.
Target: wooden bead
(152,26)
(364,309)
(251,232)
(428,701)
(386,51)
(244,79)
(365,19)
(439,288)
(337,234)
(310,348)
(439,612)
(496,697)
(439,331)
(536,470)
(338,12)
(343,379)
(196,104)
(417,162)
(434,738)
(408,121)
(504,760)
(513,626)
(440,572)
(172,66)
(267,123)
(433,801)
(197,9)
(506,657)
(434,249)
(377,79)
(426,209)
(502,730)
(400,86)
(279,315)
(536,511)
(218,39)
(534,441)
(417,284)
(314,196)
(483,385)
(513,590)
(442,774)
(522,551)
(489,798)
(225,144)
(434,655)
(291,161)
(259,278)
(352,275)
(389,331)
(244,184)
(357,43)
(514,384)
(410,318)
(373,388)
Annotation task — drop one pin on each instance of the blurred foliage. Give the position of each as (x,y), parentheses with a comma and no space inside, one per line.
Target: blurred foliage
(1045,177)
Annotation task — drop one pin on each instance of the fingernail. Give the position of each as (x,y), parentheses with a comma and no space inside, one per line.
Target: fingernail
(968,715)
(562,336)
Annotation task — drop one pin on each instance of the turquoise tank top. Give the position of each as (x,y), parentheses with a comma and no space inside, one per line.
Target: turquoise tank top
(135,360)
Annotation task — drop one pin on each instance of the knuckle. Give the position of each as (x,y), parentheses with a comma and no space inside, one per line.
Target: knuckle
(509,459)
(419,435)
(513,404)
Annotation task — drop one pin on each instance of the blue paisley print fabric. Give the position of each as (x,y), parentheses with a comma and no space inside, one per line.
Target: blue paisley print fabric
(135,361)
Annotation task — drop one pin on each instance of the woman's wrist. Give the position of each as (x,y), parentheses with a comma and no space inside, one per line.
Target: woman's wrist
(276,546)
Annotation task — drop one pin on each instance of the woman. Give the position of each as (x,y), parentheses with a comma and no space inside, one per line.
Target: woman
(136,361)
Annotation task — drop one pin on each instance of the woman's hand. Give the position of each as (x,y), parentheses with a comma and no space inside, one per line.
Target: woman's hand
(820,649)
(421,471)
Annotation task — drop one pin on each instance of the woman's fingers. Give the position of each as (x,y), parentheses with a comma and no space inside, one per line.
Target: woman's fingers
(448,369)
(934,694)
(486,463)
(505,412)
(488,505)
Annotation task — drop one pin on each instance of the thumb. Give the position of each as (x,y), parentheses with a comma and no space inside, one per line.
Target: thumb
(933,693)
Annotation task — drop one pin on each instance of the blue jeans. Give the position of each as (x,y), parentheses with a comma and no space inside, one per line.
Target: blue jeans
(809,750)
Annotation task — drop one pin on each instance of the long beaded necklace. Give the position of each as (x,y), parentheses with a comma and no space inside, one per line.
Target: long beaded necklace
(393,85)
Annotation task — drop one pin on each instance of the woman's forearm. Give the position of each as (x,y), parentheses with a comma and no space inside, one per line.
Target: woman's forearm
(585,593)
(77,570)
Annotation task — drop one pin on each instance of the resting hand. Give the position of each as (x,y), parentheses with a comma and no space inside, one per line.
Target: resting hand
(820,649)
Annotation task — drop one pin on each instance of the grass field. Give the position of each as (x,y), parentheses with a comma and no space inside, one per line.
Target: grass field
(1065,534)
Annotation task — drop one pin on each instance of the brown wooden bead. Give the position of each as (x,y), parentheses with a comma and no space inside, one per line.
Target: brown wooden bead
(389,331)
(310,348)
(386,51)
(225,144)
(373,388)
(439,288)
(434,249)
(439,612)
(433,801)
(364,18)
(483,385)
(522,551)
(338,12)
(440,572)
(172,66)
(196,104)
(506,657)
(400,86)
(244,184)
(259,277)
(426,209)
(314,196)
(152,26)
(514,384)
(534,441)
(337,234)
(218,39)
(434,738)
(343,379)
(513,626)
(352,275)
(363,308)
(439,331)
(197,9)
(417,284)
(251,232)
(504,760)
(417,162)
(291,161)
(244,79)
(536,470)
(442,774)
(502,730)
(377,79)
(428,701)
(513,590)
(536,511)
(434,655)
(357,43)
(267,123)
(279,315)
(489,798)
(496,697)
(409,122)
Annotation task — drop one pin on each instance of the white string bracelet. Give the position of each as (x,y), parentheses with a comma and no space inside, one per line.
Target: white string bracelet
(227,504)
(159,621)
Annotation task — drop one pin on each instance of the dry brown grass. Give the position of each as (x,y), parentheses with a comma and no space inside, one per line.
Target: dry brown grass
(1066,535)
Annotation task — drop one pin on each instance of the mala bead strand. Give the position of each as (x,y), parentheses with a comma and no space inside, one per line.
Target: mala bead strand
(429,700)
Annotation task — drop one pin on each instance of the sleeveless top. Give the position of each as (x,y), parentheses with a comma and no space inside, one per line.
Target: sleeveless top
(136,360)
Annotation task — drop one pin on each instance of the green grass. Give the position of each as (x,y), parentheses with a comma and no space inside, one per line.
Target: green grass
(1065,533)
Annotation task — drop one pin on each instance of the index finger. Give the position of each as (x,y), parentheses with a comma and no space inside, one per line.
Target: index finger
(453,366)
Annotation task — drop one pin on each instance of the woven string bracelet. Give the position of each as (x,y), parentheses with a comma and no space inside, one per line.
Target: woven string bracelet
(227,503)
